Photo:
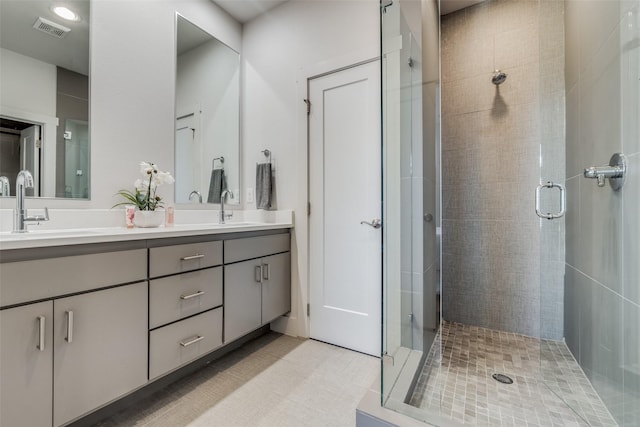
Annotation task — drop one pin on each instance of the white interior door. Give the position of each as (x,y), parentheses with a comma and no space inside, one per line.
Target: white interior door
(30,156)
(345,189)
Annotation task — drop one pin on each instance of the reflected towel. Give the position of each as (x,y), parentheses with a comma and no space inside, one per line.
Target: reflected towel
(217,185)
(263,185)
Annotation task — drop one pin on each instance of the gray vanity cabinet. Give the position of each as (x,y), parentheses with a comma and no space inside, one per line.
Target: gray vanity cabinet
(100,352)
(258,290)
(26,351)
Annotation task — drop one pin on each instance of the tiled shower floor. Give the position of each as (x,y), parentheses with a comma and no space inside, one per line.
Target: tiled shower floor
(461,387)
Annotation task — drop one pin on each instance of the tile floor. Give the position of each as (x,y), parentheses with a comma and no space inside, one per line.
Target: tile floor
(461,387)
(274,380)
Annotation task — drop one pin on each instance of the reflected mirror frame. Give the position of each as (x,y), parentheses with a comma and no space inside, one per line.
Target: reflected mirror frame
(237,199)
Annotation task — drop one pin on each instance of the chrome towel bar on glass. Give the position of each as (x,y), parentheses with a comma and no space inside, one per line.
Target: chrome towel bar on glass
(563,202)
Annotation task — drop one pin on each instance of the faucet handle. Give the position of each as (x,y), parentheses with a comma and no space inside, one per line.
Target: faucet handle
(38,218)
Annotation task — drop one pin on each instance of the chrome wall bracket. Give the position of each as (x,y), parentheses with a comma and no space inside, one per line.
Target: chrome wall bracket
(615,172)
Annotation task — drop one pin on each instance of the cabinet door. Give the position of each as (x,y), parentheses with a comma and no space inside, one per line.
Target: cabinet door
(276,286)
(25,365)
(242,295)
(100,348)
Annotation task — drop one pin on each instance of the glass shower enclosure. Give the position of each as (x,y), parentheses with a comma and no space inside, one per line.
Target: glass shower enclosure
(505,265)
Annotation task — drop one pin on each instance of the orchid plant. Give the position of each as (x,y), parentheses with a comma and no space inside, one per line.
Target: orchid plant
(144,197)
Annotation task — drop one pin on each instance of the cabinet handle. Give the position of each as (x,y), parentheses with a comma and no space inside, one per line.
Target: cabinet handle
(191,341)
(266,272)
(69,337)
(191,257)
(197,294)
(258,273)
(41,331)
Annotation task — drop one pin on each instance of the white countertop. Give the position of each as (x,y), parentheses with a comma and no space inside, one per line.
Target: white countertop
(245,221)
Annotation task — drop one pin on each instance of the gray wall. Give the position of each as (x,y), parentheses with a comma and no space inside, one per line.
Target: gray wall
(602,296)
(491,164)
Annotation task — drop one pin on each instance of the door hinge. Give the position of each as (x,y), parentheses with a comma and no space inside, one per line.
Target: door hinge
(410,62)
(306,101)
(308,310)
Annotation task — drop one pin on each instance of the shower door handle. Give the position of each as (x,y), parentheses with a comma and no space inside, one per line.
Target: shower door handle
(563,201)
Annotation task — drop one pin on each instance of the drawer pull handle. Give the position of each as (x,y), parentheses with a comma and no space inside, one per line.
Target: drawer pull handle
(192,257)
(258,276)
(197,294)
(266,272)
(69,337)
(41,331)
(191,341)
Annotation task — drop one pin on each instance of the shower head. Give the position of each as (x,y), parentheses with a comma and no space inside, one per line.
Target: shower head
(498,77)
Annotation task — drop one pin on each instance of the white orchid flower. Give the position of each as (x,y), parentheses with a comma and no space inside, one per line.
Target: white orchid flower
(147,168)
(163,178)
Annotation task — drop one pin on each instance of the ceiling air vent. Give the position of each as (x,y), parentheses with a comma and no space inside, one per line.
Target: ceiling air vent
(51,28)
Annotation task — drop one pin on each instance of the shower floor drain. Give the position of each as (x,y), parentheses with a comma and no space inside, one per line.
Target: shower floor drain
(502,378)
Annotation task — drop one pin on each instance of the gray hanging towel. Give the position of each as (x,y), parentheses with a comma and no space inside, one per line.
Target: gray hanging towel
(217,185)
(263,185)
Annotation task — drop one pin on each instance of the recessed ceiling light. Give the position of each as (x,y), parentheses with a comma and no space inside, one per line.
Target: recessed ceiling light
(65,13)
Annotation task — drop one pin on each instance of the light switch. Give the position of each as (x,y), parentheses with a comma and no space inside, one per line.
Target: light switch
(250,195)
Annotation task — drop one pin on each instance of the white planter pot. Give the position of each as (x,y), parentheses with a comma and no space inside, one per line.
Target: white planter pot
(147,219)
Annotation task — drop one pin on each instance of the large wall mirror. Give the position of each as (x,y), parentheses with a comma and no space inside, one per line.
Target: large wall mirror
(44,96)
(207,140)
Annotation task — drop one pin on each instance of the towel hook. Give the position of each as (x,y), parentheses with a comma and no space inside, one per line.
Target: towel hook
(267,154)
(213,163)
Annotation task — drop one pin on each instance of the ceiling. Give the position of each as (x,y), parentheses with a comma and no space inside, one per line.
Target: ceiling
(17,33)
(448,6)
(246,10)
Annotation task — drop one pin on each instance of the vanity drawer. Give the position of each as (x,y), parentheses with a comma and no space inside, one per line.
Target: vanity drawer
(255,247)
(25,281)
(183,295)
(181,342)
(167,260)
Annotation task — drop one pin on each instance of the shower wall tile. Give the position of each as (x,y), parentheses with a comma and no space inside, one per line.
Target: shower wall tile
(572,221)
(406,228)
(600,246)
(573,41)
(517,47)
(606,351)
(575,162)
(552,300)
(631,366)
(552,31)
(597,20)
(512,14)
(630,81)
(631,227)
(572,311)
(467,58)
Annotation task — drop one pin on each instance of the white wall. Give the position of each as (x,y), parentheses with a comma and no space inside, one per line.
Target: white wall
(280,50)
(132,89)
(28,91)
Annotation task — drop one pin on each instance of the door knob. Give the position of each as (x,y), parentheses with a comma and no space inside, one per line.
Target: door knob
(375,223)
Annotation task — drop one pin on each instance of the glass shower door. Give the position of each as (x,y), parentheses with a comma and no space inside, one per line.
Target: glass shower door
(590,280)
(410,84)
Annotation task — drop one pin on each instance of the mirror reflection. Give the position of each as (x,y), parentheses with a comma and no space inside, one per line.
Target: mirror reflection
(207,140)
(44,88)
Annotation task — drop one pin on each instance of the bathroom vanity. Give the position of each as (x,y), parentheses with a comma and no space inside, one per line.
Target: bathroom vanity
(89,318)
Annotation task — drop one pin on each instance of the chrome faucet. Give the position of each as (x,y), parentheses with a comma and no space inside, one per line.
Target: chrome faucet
(197,193)
(24,181)
(223,196)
